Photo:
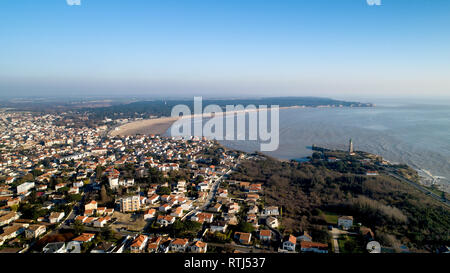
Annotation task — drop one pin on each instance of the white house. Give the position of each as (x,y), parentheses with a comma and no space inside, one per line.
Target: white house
(139,244)
(91,205)
(56,217)
(272,222)
(101,222)
(220,226)
(271,211)
(58,247)
(346,222)
(24,187)
(165,220)
(179,245)
(149,214)
(34,231)
(113,181)
(203,186)
(165,208)
(127,182)
(153,199)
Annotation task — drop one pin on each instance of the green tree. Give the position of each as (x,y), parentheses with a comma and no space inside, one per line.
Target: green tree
(164,191)
(78,227)
(245,227)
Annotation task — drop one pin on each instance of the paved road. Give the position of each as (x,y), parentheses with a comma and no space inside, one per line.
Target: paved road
(390,172)
(335,233)
(210,198)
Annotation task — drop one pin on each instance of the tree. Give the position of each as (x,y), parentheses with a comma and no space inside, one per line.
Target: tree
(74,198)
(78,227)
(103,195)
(245,227)
(99,172)
(107,233)
(164,191)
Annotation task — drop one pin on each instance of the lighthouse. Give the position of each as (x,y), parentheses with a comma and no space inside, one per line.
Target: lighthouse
(350,147)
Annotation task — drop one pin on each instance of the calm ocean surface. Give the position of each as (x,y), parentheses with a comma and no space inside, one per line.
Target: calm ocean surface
(415,134)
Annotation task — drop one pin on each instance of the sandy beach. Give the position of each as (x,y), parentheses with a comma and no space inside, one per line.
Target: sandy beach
(159,126)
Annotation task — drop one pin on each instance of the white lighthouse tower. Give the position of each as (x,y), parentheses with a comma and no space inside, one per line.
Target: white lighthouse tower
(350,147)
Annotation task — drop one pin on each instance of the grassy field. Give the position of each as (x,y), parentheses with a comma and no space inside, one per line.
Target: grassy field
(330,217)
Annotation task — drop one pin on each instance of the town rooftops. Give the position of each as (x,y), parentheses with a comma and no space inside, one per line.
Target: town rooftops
(292,239)
(305,244)
(180,242)
(137,243)
(200,244)
(85,237)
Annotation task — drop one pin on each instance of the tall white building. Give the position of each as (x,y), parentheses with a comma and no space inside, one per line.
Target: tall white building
(132,203)
(25,187)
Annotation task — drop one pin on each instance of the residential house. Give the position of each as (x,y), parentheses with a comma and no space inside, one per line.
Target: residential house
(178,212)
(102,221)
(203,217)
(253,209)
(216,208)
(165,220)
(165,208)
(345,222)
(272,222)
(290,243)
(219,226)
(153,244)
(243,238)
(8,218)
(55,217)
(84,238)
(103,247)
(199,247)
(56,247)
(34,231)
(149,214)
(179,245)
(265,235)
(153,199)
(139,243)
(233,208)
(306,246)
(271,211)
(91,205)
(304,237)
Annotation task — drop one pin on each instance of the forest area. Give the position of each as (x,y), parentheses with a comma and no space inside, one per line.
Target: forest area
(396,212)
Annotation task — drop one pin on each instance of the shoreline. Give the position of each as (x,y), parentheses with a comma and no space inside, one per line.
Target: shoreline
(159,126)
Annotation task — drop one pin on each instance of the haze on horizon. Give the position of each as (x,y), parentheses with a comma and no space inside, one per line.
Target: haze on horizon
(225,48)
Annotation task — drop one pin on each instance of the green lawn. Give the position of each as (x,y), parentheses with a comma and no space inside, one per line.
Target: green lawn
(330,217)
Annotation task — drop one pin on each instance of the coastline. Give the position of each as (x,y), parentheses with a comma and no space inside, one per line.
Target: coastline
(159,126)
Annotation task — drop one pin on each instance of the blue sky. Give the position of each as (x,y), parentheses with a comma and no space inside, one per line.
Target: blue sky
(337,48)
